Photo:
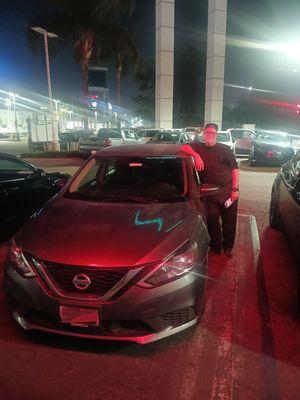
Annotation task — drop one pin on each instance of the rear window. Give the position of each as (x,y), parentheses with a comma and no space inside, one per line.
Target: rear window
(170,137)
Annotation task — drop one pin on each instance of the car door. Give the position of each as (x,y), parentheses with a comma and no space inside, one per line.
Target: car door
(130,137)
(14,176)
(290,202)
(243,141)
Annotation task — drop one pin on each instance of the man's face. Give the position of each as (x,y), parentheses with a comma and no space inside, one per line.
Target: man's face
(210,135)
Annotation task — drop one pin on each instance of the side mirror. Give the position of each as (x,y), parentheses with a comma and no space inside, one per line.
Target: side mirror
(60,183)
(208,189)
(39,172)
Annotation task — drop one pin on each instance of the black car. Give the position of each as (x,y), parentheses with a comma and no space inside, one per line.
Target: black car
(285,204)
(24,188)
(271,148)
(173,137)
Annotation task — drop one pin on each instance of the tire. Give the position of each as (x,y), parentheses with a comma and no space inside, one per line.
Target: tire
(275,220)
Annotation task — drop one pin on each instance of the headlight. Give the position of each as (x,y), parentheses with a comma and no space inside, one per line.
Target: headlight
(18,260)
(174,267)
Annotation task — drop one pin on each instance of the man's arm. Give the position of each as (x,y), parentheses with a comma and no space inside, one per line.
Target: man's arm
(186,148)
(235,184)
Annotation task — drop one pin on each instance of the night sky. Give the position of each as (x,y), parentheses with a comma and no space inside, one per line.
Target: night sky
(249,20)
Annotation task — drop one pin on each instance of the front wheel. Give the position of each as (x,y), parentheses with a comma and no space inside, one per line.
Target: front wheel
(275,220)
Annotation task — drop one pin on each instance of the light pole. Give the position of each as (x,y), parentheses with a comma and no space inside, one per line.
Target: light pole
(46,34)
(56,102)
(13,96)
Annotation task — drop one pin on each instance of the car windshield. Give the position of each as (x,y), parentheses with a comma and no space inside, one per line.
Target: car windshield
(130,179)
(270,137)
(170,137)
(223,137)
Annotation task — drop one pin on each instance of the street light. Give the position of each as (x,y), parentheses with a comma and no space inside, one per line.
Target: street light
(13,96)
(56,102)
(46,34)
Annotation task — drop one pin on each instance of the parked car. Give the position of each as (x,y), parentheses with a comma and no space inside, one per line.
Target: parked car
(270,148)
(24,188)
(243,140)
(226,138)
(107,137)
(68,138)
(285,205)
(174,137)
(146,134)
(119,254)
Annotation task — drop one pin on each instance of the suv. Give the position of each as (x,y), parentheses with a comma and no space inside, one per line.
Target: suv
(107,137)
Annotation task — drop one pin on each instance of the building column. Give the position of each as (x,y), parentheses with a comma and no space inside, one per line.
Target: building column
(164,65)
(215,64)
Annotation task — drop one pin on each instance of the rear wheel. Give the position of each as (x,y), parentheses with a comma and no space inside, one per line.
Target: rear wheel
(275,219)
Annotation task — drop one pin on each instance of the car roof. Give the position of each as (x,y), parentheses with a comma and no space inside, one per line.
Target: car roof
(142,150)
(8,155)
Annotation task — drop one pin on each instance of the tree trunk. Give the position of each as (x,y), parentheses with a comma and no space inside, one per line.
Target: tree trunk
(118,80)
(85,76)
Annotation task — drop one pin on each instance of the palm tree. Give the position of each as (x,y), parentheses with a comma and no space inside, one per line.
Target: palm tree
(89,25)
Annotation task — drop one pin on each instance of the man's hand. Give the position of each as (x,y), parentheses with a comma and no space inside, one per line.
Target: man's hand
(199,164)
(234,195)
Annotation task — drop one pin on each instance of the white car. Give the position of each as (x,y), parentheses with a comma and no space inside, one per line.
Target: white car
(226,138)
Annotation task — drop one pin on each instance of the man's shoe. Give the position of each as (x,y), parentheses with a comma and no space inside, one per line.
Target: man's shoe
(228,252)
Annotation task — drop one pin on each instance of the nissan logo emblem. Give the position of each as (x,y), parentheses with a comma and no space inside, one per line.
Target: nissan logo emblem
(81,281)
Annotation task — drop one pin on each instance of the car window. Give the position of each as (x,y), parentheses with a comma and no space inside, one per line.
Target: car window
(150,134)
(247,135)
(12,165)
(109,133)
(129,134)
(150,177)
(223,137)
(296,162)
(170,137)
(237,134)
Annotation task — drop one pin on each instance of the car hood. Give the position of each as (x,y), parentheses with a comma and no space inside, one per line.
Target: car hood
(82,233)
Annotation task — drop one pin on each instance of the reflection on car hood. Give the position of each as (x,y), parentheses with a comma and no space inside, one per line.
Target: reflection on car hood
(279,145)
(83,233)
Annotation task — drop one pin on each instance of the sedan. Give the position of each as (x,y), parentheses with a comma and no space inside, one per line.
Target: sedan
(119,254)
(23,189)
(174,137)
(285,204)
(271,148)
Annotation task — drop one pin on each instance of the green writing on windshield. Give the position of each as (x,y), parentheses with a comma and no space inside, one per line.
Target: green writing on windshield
(138,221)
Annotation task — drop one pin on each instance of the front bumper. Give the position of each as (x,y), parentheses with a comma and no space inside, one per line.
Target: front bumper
(139,315)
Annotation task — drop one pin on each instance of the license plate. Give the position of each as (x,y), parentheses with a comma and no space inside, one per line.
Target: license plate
(78,316)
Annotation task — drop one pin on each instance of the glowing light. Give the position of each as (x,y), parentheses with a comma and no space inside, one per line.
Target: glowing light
(158,221)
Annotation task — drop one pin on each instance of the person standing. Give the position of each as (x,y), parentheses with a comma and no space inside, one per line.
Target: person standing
(220,168)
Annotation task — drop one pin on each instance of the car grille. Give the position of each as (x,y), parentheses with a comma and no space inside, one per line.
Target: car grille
(102,280)
(179,317)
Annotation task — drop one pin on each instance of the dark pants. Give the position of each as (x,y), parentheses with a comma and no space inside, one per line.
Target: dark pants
(221,224)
